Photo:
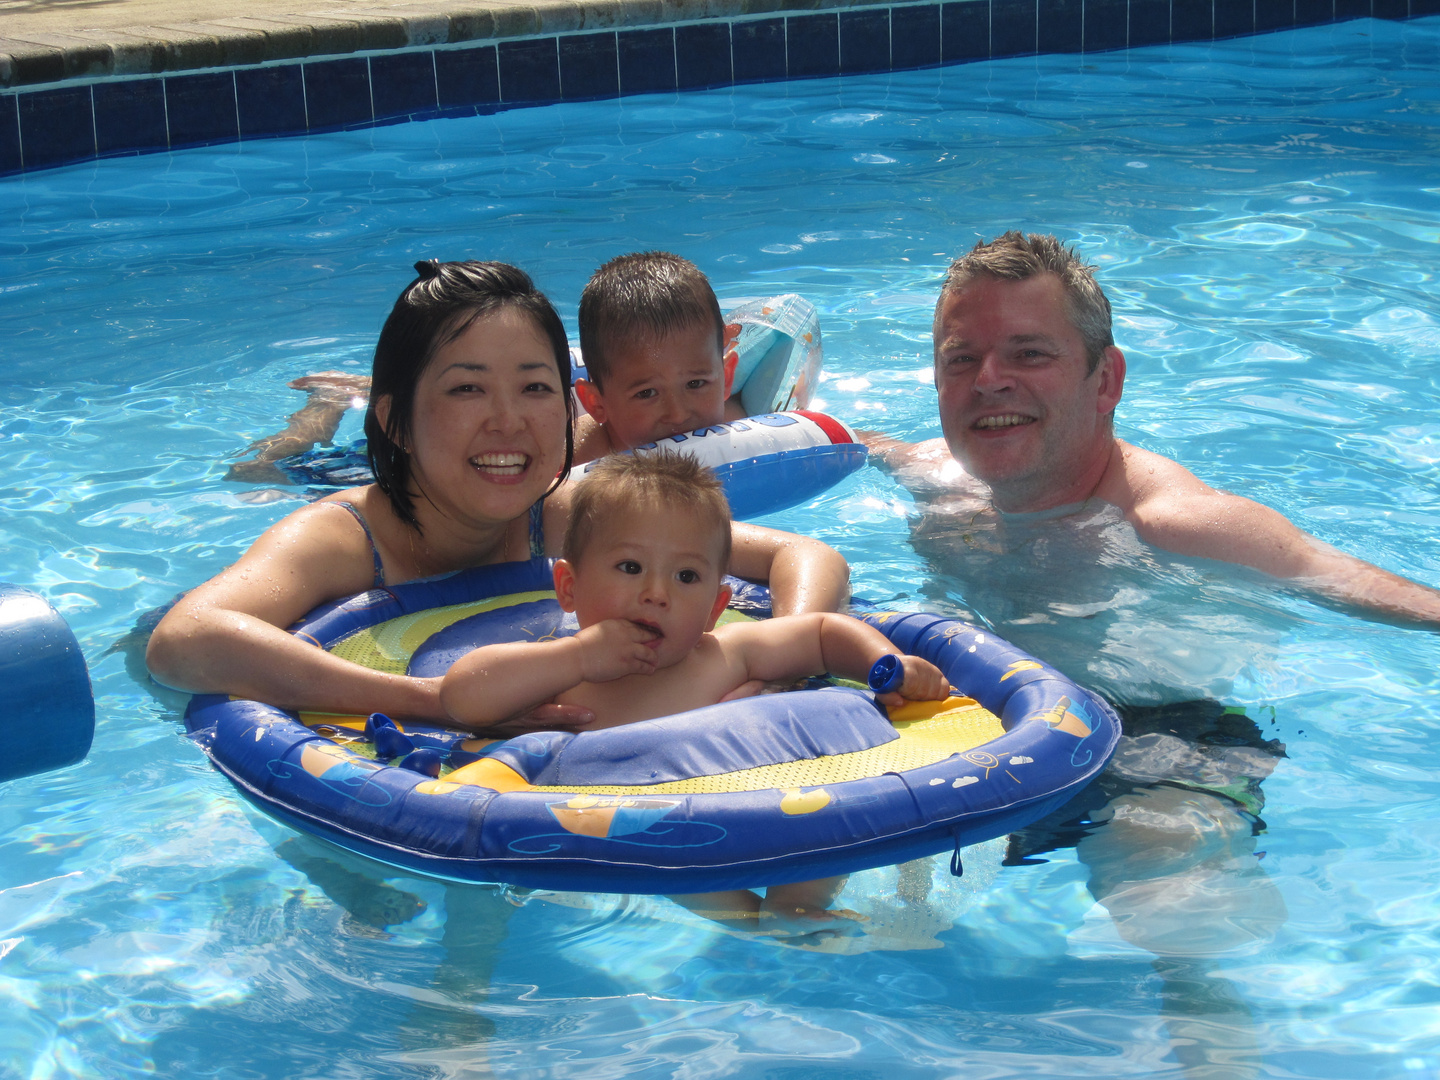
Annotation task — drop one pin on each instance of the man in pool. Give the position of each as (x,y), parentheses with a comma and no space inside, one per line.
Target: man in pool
(1024,503)
(643,571)
(1029,377)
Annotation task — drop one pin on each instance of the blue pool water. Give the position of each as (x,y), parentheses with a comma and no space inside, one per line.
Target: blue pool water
(1265,213)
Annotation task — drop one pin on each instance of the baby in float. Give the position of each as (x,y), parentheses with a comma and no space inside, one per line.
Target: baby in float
(643,571)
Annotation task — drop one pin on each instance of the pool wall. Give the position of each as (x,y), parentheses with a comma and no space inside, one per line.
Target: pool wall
(71,98)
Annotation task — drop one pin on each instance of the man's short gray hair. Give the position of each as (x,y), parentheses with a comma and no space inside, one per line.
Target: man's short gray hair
(1016,257)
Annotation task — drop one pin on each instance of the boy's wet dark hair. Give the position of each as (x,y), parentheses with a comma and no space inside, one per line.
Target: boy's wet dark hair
(644,295)
(435,309)
(616,486)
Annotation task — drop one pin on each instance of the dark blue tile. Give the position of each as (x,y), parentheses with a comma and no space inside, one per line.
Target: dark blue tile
(402,84)
(965,31)
(1012,27)
(588,67)
(529,70)
(1274,15)
(647,60)
(864,41)
(1062,26)
(1191,20)
(757,50)
(9,133)
(270,100)
(1106,24)
(1149,22)
(1352,9)
(812,45)
(1314,12)
(467,77)
(1390,9)
(915,35)
(201,108)
(129,115)
(56,126)
(1234,17)
(337,93)
(1424,7)
(702,55)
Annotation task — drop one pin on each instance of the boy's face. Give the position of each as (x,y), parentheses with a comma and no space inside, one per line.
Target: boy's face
(652,568)
(660,386)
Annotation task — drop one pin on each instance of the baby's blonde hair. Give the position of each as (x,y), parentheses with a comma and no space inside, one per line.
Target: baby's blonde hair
(623,483)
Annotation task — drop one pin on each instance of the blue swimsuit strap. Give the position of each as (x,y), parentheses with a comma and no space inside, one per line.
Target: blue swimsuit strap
(537,536)
(537,530)
(379,582)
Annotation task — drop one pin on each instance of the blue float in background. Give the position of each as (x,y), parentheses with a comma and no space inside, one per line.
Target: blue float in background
(48,719)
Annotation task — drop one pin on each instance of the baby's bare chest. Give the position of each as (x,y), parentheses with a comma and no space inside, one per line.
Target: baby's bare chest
(691,684)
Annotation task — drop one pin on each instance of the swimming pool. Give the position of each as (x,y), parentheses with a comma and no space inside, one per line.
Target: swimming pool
(1265,213)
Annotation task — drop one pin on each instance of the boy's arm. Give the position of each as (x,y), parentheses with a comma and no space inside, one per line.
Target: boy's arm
(799,645)
(495,682)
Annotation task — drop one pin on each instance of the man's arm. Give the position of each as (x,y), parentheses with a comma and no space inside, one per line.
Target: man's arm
(1175,510)
(926,469)
(895,454)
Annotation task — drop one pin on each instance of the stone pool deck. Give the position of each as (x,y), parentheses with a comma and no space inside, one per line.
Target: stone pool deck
(88,79)
(54,41)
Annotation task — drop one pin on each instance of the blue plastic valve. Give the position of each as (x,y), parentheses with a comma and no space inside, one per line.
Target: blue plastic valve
(425,761)
(887,674)
(390,742)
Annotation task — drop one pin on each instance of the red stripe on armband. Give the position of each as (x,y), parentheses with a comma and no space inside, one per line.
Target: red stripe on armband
(828,424)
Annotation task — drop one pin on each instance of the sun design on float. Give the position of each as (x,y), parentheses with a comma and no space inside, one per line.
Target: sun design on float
(795,801)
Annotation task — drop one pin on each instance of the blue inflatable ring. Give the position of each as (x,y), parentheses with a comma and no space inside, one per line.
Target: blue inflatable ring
(769,789)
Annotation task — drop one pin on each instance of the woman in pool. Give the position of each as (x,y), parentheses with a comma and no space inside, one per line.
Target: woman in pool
(470,434)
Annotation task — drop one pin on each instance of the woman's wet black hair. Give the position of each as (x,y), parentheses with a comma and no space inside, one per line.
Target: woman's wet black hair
(435,309)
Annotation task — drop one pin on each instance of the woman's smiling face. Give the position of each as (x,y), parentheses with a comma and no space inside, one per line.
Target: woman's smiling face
(489,420)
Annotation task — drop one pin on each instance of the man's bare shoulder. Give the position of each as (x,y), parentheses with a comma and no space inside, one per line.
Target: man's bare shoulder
(1174,509)
(1138,480)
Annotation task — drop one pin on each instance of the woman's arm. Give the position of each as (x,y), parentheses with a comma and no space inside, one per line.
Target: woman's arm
(803,574)
(227,635)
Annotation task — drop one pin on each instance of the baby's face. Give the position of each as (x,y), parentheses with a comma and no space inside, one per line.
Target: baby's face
(656,571)
(663,386)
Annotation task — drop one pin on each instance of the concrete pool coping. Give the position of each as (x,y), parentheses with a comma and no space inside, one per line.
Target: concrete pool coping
(82,80)
(44,43)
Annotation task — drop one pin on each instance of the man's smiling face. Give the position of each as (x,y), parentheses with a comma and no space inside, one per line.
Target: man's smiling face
(1018,406)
